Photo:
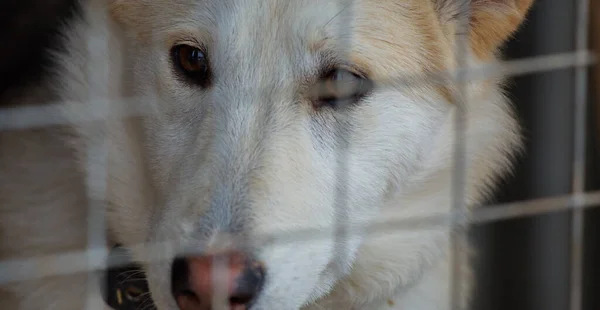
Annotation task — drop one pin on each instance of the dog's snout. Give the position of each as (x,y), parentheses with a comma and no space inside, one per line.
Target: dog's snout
(231,279)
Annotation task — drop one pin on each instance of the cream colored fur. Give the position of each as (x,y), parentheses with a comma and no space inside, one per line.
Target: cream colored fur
(251,157)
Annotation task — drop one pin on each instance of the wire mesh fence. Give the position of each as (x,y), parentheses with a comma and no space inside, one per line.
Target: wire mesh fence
(94,257)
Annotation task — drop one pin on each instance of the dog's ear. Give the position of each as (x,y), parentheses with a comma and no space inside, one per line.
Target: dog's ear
(491,22)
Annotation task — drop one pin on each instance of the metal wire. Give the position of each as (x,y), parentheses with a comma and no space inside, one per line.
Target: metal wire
(76,261)
(458,233)
(341,234)
(50,114)
(96,180)
(579,159)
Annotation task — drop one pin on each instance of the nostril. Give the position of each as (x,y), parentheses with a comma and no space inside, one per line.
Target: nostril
(240,300)
(180,277)
(242,297)
(187,300)
(248,284)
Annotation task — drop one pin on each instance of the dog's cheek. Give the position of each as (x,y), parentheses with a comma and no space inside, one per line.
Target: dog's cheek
(393,131)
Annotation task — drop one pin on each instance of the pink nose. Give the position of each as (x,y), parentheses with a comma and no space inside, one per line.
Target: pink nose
(230,279)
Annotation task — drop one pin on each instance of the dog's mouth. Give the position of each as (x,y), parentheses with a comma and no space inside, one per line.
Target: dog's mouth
(124,285)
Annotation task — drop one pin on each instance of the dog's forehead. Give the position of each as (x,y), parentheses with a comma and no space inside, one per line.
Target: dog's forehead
(383,36)
(262,26)
(319,13)
(293,22)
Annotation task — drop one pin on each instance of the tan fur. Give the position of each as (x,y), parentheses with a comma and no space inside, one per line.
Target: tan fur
(493,22)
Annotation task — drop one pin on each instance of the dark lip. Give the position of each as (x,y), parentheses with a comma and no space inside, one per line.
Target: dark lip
(122,277)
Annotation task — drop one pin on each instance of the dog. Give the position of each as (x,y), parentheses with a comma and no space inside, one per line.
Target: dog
(268,137)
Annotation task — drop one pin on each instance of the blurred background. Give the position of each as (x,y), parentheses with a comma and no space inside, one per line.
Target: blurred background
(524,263)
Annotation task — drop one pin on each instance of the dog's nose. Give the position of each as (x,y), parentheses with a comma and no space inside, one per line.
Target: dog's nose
(231,279)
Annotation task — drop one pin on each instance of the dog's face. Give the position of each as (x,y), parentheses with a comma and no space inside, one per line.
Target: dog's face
(271,118)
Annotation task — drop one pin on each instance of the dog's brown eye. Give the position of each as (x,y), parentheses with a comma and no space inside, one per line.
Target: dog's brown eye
(341,86)
(193,63)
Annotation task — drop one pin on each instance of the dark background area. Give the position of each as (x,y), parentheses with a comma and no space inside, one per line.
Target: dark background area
(524,263)
(27,27)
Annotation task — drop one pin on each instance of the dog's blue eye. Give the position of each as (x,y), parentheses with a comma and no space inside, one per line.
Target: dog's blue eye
(341,86)
(193,63)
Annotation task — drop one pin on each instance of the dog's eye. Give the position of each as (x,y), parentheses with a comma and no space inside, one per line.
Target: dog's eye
(193,63)
(341,86)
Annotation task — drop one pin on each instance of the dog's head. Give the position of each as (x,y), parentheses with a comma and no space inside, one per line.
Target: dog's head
(274,121)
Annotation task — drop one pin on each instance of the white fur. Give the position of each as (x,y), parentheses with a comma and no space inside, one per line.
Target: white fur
(250,157)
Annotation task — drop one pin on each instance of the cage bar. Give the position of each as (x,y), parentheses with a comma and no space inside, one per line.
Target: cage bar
(579,157)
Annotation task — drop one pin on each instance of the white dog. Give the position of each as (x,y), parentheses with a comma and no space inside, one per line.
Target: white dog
(270,133)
